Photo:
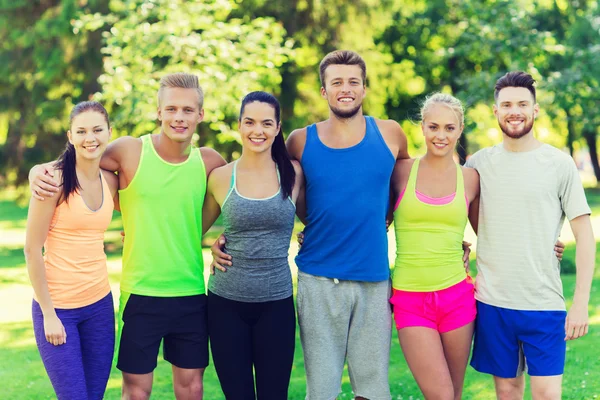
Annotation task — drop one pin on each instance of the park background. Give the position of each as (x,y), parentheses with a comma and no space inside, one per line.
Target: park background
(55,53)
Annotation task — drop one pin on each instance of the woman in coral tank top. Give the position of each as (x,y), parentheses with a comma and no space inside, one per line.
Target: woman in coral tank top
(73,314)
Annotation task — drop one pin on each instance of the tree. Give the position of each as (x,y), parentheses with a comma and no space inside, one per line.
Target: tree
(45,67)
(148,39)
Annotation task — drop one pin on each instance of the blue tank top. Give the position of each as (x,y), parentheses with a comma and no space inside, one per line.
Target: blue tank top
(347,198)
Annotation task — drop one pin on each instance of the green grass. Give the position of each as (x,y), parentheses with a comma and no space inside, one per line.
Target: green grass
(23,376)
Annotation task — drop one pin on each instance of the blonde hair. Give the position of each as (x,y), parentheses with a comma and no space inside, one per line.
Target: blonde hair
(445,99)
(181,80)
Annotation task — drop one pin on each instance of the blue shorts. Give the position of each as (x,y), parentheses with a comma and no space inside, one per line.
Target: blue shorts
(508,340)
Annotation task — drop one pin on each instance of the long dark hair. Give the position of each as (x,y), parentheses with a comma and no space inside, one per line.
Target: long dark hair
(278,150)
(66,161)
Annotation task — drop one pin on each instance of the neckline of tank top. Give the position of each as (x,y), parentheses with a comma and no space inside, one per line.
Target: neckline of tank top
(362,141)
(251,198)
(101,203)
(192,148)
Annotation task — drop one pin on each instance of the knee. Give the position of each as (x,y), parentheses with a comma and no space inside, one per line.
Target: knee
(131,392)
(511,391)
(193,389)
(443,392)
(546,393)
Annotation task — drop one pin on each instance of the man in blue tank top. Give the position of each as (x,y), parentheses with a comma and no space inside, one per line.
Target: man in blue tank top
(343,277)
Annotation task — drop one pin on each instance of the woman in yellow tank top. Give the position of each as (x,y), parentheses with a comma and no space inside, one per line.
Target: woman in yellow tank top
(73,314)
(434,303)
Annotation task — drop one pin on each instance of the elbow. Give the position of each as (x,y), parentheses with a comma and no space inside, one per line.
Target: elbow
(30,251)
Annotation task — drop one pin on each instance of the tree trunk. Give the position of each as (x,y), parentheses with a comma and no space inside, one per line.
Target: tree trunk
(570,131)
(590,138)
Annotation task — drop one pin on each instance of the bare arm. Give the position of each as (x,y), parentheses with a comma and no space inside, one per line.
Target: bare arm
(576,324)
(295,144)
(474,213)
(38,224)
(212,159)
(210,210)
(471,178)
(113,183)
(394,137)
(42,182)
(299,192)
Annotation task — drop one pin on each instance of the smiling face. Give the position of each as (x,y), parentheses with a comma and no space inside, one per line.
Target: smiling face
(344,89)
(89,134)
(258,127)
(515,110)
(441,127)
(179,113)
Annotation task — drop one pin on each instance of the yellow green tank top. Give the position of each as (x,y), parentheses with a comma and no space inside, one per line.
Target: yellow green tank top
(429,239)
(162,219)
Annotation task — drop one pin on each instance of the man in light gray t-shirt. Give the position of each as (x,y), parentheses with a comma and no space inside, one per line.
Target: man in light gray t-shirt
(527,189)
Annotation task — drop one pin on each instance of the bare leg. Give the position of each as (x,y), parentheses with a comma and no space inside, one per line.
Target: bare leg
(187,383)
(457,346)
(137,386)
(424,353)
(546,387)
(510,388)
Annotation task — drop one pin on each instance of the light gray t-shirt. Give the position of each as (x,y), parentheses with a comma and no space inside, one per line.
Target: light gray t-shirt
(524,199)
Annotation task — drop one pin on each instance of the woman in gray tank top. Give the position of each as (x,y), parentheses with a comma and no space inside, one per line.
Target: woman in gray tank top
(251,317)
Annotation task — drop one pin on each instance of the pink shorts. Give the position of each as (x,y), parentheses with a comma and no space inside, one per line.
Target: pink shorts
(443,310)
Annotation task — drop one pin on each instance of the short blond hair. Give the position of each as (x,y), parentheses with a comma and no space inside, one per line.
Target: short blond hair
(181,80)
(448,100)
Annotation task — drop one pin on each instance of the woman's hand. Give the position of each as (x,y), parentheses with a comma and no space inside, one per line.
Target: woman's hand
(54,330)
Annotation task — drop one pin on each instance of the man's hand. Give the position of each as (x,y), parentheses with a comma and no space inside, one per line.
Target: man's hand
(42,182)
(466,252)
(559,249)
(576,324)
(220,258)
(300,238)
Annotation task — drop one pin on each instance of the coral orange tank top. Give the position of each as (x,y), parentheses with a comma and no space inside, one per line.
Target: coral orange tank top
(74,251)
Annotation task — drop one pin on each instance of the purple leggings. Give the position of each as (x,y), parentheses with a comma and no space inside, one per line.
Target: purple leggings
(79,369)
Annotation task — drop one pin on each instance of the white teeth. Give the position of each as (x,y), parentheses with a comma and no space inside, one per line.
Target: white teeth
(257,140)
(346,100)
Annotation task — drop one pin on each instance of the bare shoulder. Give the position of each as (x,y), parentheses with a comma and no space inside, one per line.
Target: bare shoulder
(126,143)
(222,171)
(219,180)
(394,136)
(470,174)
(295,143)
(388,125)
(212,159)
(471,179)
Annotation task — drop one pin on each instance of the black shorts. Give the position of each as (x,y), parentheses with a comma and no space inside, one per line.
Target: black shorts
(180,321)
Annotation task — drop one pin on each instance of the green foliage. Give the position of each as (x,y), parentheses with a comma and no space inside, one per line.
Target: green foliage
(148,39)
(54,54)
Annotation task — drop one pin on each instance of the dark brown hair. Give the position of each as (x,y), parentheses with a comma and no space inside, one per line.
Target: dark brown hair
(515,79)
(66,161)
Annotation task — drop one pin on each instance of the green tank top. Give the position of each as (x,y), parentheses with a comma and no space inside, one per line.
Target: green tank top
(429,239)
(162,218)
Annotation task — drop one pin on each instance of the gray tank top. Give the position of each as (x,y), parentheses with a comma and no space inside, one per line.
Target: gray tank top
(258,233)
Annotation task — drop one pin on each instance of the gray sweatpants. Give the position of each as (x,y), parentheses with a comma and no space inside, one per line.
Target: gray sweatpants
(344,320)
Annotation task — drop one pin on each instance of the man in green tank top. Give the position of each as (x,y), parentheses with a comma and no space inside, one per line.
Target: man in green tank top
(162,181)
